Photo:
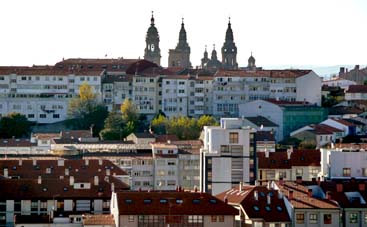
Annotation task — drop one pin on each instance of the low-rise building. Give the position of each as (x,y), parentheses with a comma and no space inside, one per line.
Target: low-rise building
(170,208)
(257,206)
(288,165)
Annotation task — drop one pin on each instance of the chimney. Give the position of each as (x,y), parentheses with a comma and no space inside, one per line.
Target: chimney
(290,194)
(240,188)
(6,172)
(266,153)
(339,187)
(281,181)
(39,180)
(328,195)
(100,162)
(256,195)
(289,152)
(96,180)
(280,195)
(362,187)
(309,192)
(71,179)
(66,172)
(268,199)
(86,162)
(342,70)
(20,162)
(34,162)
(226,199)
(112,187)
(318,181)
(196,188)
(299,180)
(60,162)
(108,172)
(356,67)
(268,185)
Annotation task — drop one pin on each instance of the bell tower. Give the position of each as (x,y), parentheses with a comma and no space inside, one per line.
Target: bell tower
(180,56)
(229,50)
(152,51)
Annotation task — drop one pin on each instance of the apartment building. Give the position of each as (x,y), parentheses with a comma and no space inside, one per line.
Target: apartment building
(288,165)
(170,208)
(289,115)
(343,163)
(232,88)
(57,188)
(308,206)
(258,206)
(228,156)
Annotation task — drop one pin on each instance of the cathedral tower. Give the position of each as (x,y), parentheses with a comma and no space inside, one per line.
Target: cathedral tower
(180,56)
(229,50)
(152,52)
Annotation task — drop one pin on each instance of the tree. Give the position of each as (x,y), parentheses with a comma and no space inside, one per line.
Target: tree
(85,111)
(159,125)
(206,120)
(129,111)
(14,125)
(112,126)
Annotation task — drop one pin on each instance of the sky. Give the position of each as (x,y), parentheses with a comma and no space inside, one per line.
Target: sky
(282,32)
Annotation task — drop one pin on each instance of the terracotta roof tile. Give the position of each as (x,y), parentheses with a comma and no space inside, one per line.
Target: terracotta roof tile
(171,202)
(357,89)
(257,207)
(279,159)
(99,219)
(286,73)
(302,200)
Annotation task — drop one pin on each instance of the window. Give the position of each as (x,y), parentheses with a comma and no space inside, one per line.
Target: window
(346,172)
(327,218)
(300,218)
(313,218)
(299,172)
(353,218)
(224,148)
(221,218)
(283,174)
(314,172)
(42,115)
(364,172)
(270,174)
(30,115)
(214,218)
(131,218)
(365,218)
(195,219)
(56,116)
(233,137)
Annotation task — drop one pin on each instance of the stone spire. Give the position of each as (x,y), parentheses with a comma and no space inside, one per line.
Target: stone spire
(152,51)
(180,56)
(229,49)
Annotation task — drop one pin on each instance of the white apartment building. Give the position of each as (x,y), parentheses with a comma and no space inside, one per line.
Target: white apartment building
(231,88)
(145,94)
(343,164)
(42,93)
(116,87)
(228,156)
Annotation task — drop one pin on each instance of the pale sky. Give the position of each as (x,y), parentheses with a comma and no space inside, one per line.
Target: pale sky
(282,32)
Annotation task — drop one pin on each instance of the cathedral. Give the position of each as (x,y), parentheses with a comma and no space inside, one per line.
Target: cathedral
(180,56)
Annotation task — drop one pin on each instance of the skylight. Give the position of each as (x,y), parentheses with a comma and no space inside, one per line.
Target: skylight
(256,208)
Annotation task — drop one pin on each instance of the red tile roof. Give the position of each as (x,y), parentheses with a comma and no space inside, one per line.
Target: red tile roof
(279,159)
(171,202)
(16,143)
(27,189)
(258,208)
(98,219)
(80,169)
(301,200)
(343,122)
(357,89)
(323,129)
(286,73)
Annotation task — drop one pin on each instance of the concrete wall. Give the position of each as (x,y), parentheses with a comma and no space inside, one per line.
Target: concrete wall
(312,92)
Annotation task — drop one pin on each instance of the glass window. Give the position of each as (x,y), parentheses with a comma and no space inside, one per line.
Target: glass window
(214,218)
(353,218)
(327,218)
(346,172)
(300,218)
(233,137)
(299,172)
(313,218)
(131,218)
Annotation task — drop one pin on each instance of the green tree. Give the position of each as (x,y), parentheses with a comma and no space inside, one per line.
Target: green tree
(85,111)
(112,126)
(159,125)
(206,120)
(129,111)
(14,125)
